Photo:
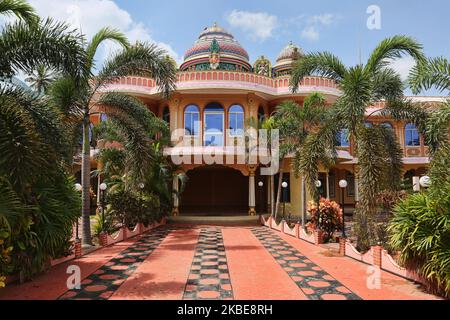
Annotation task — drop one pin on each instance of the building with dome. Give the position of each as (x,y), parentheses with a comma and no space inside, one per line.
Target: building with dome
(219,89)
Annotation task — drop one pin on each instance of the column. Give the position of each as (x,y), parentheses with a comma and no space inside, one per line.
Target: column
(328,185)
(251,193)
(356,174)
(176,201)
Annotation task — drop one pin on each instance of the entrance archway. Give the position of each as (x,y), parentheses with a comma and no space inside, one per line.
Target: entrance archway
(215,191)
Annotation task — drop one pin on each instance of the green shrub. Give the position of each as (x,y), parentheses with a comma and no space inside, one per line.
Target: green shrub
(330,217)
(420,231)
(130,207)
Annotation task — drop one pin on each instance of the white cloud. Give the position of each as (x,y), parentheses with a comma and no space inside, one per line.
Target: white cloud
(310,33)
(259,25)
(403,66)
(324,19)
(312,25)
(92,15)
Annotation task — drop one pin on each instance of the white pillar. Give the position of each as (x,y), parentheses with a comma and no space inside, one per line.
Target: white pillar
(251,194)
(356,188)
(176,201)
(272,195)
(328,186)
(303,206)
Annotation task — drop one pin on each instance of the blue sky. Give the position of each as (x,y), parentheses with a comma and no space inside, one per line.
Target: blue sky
(265,26)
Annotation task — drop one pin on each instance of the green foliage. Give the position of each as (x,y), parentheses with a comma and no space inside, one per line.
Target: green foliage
(20,9)
(132,207)
(420,230)
(328,214)
(377,151)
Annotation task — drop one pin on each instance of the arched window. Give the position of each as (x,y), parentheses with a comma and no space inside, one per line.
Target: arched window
(191,120)
(236,120)
(343,139)
(368,124)
(103,117)
(261,114)
(166,114)
(214,125)
(351,184)
(412,137)
(387,125)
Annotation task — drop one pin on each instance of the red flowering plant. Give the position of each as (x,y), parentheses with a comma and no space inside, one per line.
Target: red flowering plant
(330,215)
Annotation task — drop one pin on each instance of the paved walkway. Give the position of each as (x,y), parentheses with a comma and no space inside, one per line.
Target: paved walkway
(196,262)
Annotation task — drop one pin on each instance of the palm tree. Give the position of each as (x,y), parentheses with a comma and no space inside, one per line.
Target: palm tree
(39,203)
(434,73)
(78,101)
(41,79)
(377,151)
(295,124)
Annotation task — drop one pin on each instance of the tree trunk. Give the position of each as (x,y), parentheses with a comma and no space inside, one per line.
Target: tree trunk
(272,195)
(280,182)
(303,202)
(86,182)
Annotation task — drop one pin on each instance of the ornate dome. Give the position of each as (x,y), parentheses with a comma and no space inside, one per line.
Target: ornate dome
(287,56)
(216,48)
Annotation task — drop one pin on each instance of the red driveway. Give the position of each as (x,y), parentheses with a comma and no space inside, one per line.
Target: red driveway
(181,262)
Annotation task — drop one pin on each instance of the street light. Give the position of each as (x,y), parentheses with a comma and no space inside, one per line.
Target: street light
(141,185)
(343,184)
(78,188)
(318,184)
(103,188)
(261,200)
(284,185)
(425,182)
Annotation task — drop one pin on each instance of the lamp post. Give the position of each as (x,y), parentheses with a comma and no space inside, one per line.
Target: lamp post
(103,188)
(318,185)
(284,185)
(261,200)
(78,188)
(425,182)
(343,184)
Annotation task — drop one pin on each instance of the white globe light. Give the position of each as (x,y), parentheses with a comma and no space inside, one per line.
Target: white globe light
(425,182)
(318,183)
(141,185)
(284,184)
(343,184)
(103,186)
(261,184)
(78,187)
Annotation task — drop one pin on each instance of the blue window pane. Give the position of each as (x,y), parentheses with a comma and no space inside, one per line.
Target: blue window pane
(412,136)
(214,126)
(343,140)
(191,120)
(236,120)
(387,125)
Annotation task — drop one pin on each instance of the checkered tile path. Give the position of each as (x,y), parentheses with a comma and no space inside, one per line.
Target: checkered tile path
(102,284)
(209,278)
(314,282)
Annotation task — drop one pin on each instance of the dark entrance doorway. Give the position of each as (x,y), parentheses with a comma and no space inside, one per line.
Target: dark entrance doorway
(215,191)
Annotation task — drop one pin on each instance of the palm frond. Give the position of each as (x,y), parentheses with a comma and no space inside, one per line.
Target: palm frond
(24,47)
(141,59)
(432,73)
(20,9)
(323,64)
(394,48)
(104,34)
